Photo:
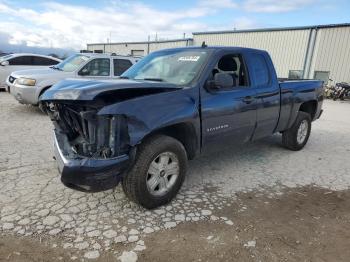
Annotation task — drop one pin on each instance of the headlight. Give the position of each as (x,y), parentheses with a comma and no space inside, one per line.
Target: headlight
(25,81)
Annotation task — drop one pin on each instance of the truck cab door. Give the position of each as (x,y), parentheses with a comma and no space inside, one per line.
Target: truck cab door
(98,68)
(264,80)
(228,115)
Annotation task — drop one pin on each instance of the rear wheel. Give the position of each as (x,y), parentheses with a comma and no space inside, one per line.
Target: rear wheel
(158,172)
(297,136)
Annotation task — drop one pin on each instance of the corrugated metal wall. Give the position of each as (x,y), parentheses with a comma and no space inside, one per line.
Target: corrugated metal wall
(332,53)
(287,48)
(328,48)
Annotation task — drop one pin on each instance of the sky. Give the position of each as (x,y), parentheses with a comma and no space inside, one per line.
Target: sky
(72,24)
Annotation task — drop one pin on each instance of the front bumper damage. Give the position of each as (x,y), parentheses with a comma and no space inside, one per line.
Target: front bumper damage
(88,174)
(91,151)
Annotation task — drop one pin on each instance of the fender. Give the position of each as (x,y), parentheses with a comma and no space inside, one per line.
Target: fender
(293,95)
(42,85)
(152,112)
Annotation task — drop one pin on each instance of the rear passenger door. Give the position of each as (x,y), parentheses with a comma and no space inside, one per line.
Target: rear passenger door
(43,61)
(228,115)
(120,66)
(264,81)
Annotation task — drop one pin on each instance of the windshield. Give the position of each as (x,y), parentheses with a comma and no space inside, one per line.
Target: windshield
(178,67)
(71,63)
(5,57)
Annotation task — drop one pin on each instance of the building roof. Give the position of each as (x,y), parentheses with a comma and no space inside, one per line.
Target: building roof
(145,42)
(273,29)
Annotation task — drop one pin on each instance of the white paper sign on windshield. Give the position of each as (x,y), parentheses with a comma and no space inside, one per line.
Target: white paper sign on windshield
(189,58)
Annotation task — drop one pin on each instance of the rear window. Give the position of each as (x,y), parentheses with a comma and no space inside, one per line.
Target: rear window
(261,71)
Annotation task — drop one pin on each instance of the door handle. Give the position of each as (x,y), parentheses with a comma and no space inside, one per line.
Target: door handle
(248,99)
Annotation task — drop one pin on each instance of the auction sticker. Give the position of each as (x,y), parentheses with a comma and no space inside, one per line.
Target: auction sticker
(189,58)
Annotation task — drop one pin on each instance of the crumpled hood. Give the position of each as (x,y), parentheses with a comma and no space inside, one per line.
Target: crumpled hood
(85,90)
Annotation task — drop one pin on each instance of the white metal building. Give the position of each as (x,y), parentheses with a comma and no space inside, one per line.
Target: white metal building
(138,48)
(320,52)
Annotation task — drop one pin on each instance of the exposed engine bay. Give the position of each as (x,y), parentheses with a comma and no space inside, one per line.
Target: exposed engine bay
(88,134)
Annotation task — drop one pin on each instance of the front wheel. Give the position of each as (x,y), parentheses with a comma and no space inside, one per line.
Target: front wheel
(297,136)
(158,172)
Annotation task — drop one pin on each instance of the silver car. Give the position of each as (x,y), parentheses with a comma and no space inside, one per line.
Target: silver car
(14,62)
(28,85)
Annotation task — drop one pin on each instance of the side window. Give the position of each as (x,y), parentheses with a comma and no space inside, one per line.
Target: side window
(43,61)
(21,60)
(96,67)
(261,71)
(120,66)
(233,65)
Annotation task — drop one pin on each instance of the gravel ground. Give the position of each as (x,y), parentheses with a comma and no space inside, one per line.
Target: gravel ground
(35,206)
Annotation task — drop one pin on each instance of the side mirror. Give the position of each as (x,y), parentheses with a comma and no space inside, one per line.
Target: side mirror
(221,80)
(84,72)
(5,63)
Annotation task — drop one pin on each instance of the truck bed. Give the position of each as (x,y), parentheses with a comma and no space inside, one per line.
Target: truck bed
(293,94)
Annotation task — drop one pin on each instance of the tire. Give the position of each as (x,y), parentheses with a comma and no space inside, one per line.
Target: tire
(290,138)
(140,183)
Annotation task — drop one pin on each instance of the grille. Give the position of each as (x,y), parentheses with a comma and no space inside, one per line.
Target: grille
(12,79)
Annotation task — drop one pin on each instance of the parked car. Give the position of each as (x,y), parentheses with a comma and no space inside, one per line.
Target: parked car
(27,85)
(14,62)
(3,54)
(171,106)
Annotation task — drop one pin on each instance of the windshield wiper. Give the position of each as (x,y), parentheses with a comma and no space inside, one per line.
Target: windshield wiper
(123,77)
(152,79)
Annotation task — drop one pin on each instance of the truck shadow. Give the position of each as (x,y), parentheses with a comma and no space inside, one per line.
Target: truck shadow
(238,159)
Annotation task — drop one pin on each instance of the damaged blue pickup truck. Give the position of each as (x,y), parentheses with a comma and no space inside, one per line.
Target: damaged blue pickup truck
(142,129)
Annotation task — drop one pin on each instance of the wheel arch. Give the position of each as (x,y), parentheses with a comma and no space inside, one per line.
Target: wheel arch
(43,90)
(309,107)
(185,133)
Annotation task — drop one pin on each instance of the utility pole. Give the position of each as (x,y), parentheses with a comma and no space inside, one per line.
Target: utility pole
(149,39)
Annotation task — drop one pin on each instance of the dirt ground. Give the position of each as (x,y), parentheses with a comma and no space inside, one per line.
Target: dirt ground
(302,224)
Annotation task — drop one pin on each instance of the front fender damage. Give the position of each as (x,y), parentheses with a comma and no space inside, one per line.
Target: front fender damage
(147,114)
(109,126)
(96,140)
